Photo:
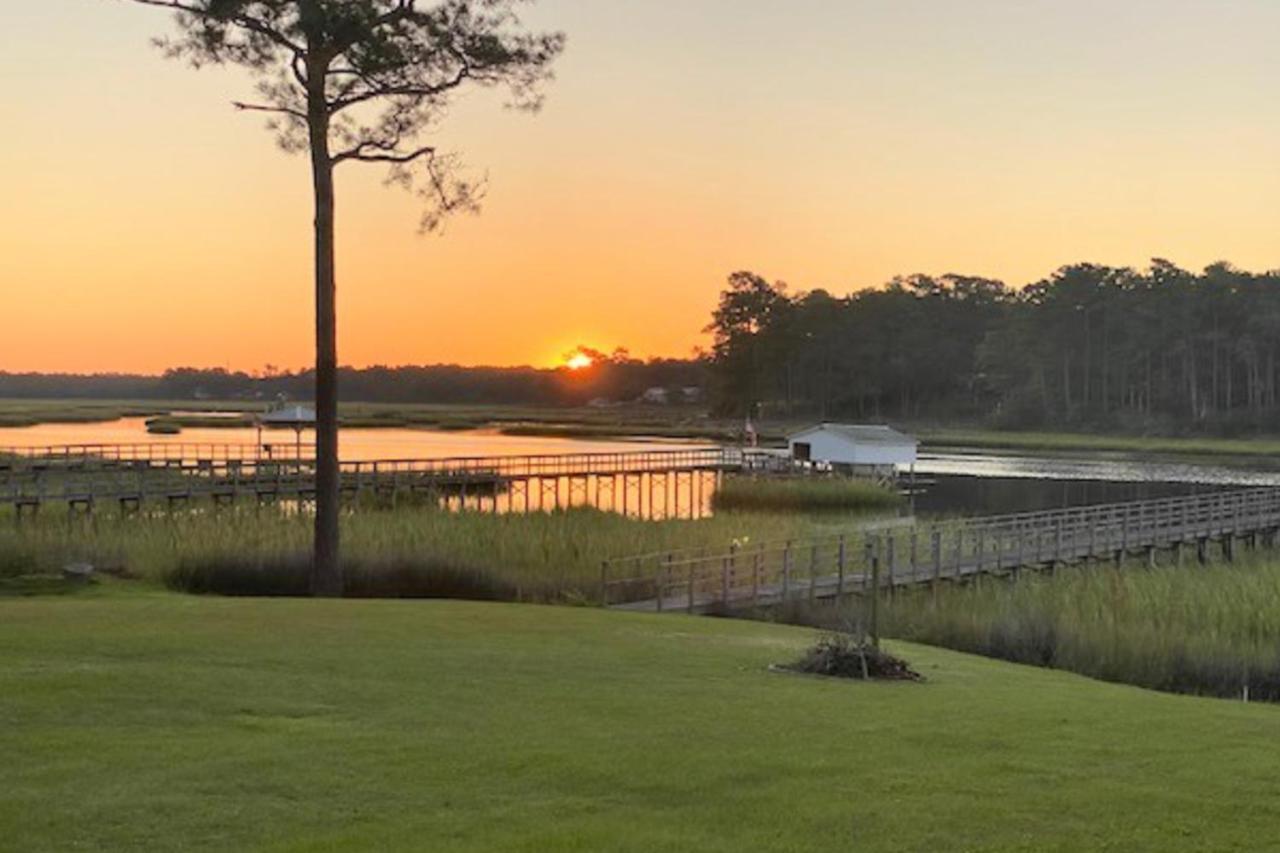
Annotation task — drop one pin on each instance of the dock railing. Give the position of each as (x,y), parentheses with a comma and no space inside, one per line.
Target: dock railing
(747,574)
(82,473)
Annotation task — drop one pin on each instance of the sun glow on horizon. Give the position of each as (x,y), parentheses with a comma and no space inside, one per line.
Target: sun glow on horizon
(182,220)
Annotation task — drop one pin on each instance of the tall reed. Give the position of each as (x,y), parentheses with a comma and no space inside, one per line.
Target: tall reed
(539,556)
(1211,631)
(803,494)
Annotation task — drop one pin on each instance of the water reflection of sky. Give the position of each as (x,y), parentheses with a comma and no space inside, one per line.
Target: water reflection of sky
(1113,470)
(371,444)
(356,445)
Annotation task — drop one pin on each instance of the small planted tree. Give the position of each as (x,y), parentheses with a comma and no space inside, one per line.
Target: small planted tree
(361,81)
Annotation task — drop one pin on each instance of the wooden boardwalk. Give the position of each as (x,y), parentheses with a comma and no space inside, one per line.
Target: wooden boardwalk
(86,475)
(892,558)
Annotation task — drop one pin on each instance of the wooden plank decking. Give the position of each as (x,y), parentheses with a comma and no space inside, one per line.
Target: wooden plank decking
(88,474)
(956,551)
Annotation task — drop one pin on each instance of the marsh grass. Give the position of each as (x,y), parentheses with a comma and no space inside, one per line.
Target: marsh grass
(542,557)
(1211,631)
(802,494)
(288,575)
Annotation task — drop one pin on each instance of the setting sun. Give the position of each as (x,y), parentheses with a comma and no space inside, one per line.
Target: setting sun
(579,361)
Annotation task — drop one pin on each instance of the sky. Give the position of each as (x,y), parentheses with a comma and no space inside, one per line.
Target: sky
(826,143)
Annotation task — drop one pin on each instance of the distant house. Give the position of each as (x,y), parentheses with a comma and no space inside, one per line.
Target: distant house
(853,447)
(656,396)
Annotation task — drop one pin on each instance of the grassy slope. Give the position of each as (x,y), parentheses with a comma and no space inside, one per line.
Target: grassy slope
(157,722)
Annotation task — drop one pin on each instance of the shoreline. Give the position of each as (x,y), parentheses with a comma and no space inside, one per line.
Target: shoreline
(635,423)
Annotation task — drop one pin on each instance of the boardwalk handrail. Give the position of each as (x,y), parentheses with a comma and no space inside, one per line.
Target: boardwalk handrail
(214,452)
(122,474)
(157,451)
(929,553)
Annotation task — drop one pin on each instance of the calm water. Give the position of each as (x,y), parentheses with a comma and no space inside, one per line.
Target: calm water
(1086,468)
(357,445)
(992,483)
(968,483)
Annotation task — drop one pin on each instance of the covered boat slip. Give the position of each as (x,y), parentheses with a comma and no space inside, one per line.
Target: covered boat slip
(867,450)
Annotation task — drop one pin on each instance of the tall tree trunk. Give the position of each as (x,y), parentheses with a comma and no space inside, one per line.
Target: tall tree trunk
(326,572)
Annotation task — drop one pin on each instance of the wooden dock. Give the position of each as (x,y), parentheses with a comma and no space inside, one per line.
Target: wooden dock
(84,476)
(892,558)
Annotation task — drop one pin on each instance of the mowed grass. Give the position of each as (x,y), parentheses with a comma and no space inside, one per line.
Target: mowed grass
(163,722)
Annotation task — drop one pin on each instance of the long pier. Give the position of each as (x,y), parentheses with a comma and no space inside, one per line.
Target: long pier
(83,476)
(888,558)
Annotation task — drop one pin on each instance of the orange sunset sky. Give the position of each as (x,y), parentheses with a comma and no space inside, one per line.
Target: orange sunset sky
(828,143)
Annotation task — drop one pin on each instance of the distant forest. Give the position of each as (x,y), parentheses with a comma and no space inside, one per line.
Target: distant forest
(1090,346)
(614,377)
(1094,347)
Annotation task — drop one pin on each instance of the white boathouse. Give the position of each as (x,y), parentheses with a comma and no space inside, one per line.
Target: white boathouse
(854,448)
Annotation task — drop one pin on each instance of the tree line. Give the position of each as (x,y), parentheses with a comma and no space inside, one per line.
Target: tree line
(616,377)
(1089,346)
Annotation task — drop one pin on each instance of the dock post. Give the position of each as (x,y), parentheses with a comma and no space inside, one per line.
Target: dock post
(786,571)
(915,552)
(955,570)
(891,558)
(665,583)
(840,569)
(813,573)
(1057,545)
(724,580)
(690,588)
(937,561)
(756,560)
(874,603)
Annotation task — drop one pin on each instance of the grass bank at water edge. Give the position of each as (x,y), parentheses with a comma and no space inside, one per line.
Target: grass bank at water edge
(803,494)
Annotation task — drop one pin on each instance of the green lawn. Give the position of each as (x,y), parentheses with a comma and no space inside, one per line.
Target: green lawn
(150,721)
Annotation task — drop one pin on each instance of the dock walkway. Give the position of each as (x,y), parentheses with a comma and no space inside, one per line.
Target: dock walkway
(890,558)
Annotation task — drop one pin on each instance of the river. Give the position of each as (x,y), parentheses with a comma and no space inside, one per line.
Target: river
(954,482)
(356,445)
